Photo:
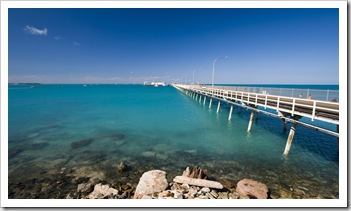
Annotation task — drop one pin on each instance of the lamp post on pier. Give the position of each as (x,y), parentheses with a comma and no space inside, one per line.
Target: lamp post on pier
(194,74)
(213,69)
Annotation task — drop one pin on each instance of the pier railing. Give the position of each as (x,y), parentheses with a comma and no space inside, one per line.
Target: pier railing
(315,94)
(327,111)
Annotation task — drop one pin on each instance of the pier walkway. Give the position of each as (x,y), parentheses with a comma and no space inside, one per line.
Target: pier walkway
(290,109)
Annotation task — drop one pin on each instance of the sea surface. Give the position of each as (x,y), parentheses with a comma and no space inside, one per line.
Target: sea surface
(87,130)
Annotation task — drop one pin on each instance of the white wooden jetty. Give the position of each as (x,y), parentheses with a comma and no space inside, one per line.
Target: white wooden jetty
(290,109)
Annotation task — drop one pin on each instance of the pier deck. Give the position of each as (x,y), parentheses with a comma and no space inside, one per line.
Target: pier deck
(314,109)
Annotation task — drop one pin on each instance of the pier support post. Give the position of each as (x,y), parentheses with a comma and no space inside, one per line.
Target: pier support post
(337,130)
(291,135)
(219,105)
(200,98)
(250,122)
(204,100)
(230,113)
(283,115)
(284,125)
(210,103)
(290,139)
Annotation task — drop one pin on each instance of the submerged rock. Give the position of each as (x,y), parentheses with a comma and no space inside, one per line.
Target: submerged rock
(85,188)
(149,154)
(116,137)
(13,152)
(151,182)
(161,156)
(37,146)
(94,180)
(191,151)
(122,167)
(81,143)
(252,189)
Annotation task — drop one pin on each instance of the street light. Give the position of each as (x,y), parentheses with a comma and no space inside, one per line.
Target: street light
(194,75)
(213,69)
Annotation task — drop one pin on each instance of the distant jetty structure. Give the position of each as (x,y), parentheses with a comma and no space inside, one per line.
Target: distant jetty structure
(156,84)
(290,105)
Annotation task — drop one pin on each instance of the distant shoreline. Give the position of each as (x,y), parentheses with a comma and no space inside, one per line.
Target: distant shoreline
(25,83)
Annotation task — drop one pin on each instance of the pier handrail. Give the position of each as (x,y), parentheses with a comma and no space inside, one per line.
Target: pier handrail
(315,109)
(317,94)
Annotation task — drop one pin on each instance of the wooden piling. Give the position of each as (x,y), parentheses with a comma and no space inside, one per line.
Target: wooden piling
(230,112)
(284,125)
(290,139)
(200,98)
(210,103)
(204,100)
(219,105)
(250,122)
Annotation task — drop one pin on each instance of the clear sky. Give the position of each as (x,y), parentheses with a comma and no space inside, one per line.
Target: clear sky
(264,46)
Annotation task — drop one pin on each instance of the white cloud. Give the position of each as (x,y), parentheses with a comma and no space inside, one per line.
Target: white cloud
(35,31)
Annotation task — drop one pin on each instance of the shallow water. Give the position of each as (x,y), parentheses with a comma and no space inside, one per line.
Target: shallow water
(160,128)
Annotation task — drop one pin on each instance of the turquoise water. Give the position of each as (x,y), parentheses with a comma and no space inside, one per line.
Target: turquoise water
(160,128)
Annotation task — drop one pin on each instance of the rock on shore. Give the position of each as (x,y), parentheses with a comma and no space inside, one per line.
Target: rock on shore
(151,182)
(154,185)
(102,191)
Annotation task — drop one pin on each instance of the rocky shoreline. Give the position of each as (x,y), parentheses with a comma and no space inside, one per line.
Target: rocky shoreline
(193,184)
(77,175)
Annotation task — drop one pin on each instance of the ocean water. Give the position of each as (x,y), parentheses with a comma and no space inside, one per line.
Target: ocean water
(158,128)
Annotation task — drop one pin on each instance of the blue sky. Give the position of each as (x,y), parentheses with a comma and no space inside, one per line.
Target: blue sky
(264,46)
